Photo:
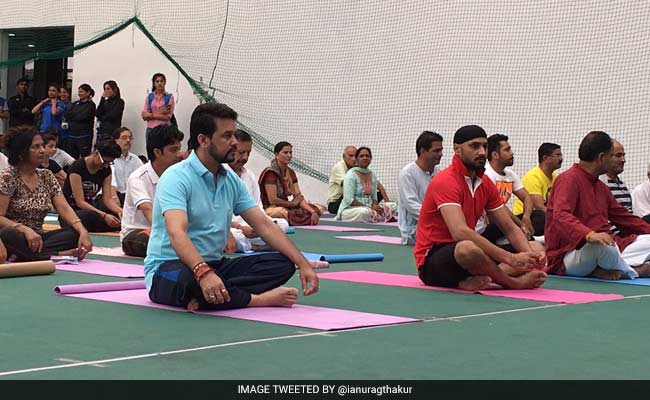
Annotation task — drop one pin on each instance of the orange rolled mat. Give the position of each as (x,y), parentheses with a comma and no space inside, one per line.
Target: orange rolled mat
(26,268)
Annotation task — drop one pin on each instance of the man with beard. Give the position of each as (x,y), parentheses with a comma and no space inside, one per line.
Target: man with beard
(448,251)
(192,212)
(580,209)
(413,180)
(500,158)
(245,237)
(539,180)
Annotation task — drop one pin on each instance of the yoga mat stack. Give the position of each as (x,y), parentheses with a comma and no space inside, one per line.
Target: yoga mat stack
(26,269)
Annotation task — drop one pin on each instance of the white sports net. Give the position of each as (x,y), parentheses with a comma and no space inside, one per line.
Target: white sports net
(322,75)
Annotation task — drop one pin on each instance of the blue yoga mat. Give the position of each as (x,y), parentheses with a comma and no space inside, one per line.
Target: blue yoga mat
(330,258)
(342,258)
(636,282)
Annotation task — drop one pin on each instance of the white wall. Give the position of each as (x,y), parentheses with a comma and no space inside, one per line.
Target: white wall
(130,59)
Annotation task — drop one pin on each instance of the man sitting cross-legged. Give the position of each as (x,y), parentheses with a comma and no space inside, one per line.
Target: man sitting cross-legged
(578,232)
(164,150)
(242,237)
(192,212)
(448,251)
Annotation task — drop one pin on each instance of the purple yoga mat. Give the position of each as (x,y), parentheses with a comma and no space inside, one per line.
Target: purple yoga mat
(412,281)
(374,238)
(105,268)
(321,318)
(336,228)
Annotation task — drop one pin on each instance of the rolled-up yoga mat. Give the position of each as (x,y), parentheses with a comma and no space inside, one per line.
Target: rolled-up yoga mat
(99,287)
(26,268)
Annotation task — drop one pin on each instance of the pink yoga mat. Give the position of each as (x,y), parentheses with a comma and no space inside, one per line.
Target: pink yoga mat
(321,318)
(374,238)
(105,268)
(411,281)
(335,228)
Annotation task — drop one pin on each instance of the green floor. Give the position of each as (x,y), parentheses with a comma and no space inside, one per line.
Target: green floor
(490,338)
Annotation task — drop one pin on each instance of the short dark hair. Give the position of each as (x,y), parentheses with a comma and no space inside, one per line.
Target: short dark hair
(280,145)
(55,85)
(425,140)
(545,150)
(204,121)
(362,148)
(594,143)
(108,148)
(118,132)
(17,142)
(21,80)
(48,137)
(494,144)
(161,136)
(243,136)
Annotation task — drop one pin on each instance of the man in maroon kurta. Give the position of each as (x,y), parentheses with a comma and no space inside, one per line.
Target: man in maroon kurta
(580,208)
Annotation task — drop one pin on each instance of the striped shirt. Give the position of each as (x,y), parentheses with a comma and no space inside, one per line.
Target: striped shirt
(621,194)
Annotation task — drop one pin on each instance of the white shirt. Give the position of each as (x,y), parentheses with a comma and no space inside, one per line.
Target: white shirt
(641,199)
(412,183)
(507,184)
(140,188)
(250,181)
(122,168)
(4,162)
(62,158)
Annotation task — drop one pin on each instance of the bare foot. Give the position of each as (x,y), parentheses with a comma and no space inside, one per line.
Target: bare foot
(278,297)
(511,271)
(607,274)
(193,305)
(530,280)
(475,283)
(643,270)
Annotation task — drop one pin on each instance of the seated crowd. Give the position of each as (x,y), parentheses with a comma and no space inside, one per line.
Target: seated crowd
(183,211)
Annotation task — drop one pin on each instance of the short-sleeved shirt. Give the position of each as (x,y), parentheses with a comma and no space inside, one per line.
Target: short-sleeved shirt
(158,106)
(122,168)
(91,184)
(141,188)
(190,187)
(536,183)
(26,206)
(452,188)
(62,158)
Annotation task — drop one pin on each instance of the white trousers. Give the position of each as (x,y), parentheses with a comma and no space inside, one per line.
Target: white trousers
(584,261)
(245,244)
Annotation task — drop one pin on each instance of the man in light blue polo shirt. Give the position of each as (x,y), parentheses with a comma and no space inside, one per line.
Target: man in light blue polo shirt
(194,204)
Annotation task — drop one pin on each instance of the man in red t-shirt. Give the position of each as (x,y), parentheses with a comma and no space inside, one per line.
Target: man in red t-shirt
(448,252)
